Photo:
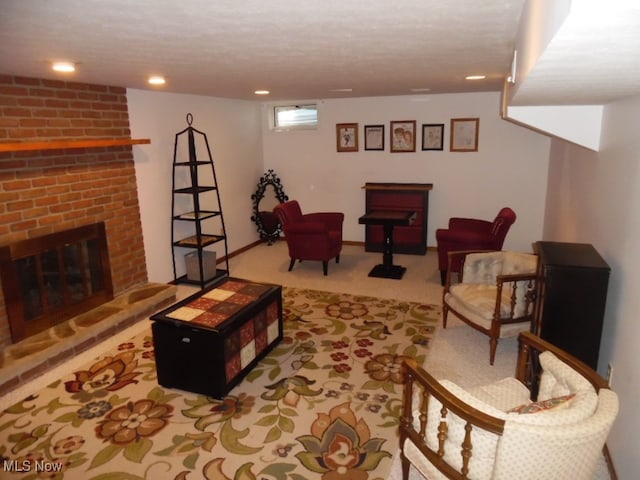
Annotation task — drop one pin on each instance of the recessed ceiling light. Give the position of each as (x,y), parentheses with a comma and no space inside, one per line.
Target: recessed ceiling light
(262,92)
(475,77)
(63,67)
(157,80)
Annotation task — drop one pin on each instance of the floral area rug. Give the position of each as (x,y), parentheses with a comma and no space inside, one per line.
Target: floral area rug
(324,404)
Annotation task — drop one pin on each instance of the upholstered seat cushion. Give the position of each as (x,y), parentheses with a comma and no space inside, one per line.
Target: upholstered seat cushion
(481,316)
(504,394)
(481,298)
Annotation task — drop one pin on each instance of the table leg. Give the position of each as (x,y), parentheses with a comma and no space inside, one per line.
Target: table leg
(387,269)
(387,255)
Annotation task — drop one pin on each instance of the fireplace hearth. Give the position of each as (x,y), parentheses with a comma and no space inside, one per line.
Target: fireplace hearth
(49,279)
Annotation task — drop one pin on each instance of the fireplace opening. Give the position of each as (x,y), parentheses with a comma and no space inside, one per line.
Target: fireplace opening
(49,279)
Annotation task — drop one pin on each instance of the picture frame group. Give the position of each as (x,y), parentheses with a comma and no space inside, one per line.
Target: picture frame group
(463,136)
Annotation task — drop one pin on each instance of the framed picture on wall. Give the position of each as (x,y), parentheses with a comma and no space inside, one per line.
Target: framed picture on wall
(464,134)
(403,136)
(374,137)
(432,136)
(347,137)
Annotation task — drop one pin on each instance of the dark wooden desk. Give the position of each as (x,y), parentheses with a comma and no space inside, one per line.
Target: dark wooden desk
(400,197)
(388,220)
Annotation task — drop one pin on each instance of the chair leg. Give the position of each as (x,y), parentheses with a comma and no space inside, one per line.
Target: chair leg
(338,258)
(443,277)
(325,267)
(291,263)
(493,346)
(405,466)
(445,312)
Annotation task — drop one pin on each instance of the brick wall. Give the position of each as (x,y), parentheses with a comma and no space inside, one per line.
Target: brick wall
(46,191)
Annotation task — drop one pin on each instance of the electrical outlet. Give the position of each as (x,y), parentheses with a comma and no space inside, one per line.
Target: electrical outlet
(609,374)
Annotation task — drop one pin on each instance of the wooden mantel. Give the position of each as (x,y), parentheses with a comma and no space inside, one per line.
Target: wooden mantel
(65,144)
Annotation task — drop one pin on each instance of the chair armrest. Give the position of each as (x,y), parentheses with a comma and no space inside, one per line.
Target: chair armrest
(333,220)
(413,423)
(516,277)
(415,373)
(473,224)
(522,296)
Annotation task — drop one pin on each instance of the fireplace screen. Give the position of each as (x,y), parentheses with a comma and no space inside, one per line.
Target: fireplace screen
(49,279)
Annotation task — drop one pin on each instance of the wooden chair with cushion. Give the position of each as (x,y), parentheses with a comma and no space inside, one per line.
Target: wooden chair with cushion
(494,293)
(551,420)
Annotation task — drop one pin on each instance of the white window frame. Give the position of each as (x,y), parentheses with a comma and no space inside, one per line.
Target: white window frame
(292,108)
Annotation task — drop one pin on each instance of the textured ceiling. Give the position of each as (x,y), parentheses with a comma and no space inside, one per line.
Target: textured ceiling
(297,49)
(593,59)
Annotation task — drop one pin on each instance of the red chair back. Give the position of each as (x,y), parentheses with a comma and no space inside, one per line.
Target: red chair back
(501,225)
(288,213)
(471,234)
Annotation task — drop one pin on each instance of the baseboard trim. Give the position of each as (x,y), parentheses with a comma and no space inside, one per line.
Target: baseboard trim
(258,242)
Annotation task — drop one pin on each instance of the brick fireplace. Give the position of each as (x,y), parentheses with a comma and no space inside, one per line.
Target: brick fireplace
(46,190)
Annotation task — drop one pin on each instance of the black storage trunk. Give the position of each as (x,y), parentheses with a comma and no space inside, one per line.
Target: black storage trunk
(208,342)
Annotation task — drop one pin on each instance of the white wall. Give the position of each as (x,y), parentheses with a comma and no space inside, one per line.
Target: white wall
(579,124)
(510,168)
(234,134)
(595,198)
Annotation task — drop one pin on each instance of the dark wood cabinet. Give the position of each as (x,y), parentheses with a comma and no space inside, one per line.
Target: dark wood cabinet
(404,197)
(572,293)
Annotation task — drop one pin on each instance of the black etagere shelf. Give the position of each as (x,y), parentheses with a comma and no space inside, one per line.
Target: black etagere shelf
(195,184)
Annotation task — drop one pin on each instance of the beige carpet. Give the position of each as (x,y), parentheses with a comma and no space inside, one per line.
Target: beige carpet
(459,353)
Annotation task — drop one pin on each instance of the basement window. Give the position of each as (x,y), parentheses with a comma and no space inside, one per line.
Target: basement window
(295,116)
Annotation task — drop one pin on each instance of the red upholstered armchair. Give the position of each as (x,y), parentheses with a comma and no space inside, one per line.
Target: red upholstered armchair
(471,234)
(314,236)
